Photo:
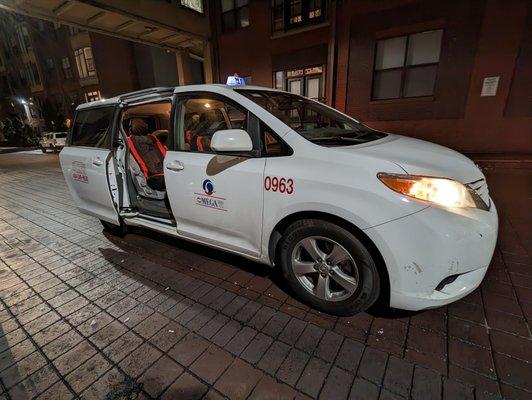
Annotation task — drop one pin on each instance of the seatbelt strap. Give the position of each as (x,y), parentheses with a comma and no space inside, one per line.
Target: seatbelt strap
(138,158)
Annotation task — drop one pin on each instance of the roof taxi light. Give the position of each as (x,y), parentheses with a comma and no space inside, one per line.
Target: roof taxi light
(235,81)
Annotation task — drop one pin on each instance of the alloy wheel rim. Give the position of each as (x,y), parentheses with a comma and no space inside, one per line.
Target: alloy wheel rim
(325,268)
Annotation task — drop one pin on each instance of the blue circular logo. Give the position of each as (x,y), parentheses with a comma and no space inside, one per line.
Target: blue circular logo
(208,187)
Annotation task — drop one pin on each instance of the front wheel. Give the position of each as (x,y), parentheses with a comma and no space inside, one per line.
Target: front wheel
(43,149)
(328,267)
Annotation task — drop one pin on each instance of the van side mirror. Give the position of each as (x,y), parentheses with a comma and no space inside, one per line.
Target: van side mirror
(231,140)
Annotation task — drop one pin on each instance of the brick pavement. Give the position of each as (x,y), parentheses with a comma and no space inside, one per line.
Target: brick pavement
(87,315)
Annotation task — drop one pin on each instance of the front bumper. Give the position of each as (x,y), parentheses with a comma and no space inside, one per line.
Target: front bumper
(423,249)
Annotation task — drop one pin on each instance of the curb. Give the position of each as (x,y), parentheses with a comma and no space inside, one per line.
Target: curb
(7,150)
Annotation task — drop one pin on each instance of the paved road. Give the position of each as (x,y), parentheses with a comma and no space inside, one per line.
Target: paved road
(84,314)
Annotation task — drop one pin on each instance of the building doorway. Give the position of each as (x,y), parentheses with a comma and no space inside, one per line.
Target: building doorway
(308,82)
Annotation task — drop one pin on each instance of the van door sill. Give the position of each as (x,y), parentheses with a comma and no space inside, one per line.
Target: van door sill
(164,221)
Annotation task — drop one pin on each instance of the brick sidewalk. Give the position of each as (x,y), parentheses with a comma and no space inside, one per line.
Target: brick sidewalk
(84,314)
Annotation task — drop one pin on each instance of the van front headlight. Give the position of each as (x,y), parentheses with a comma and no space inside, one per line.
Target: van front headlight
(442,191)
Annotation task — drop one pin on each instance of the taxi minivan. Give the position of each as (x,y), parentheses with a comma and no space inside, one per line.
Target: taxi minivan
(349,214)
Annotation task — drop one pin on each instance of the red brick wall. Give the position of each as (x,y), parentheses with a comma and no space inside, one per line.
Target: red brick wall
(115,65)
(492,36)
(481,126)
(249,51)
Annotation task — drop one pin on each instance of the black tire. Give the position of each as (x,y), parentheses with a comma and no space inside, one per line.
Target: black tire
(43,149)
(368,287)
(116,230)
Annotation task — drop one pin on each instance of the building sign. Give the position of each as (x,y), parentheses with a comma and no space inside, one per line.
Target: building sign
(489,86)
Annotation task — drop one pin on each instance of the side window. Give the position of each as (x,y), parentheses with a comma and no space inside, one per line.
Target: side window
(202,116)
(272,145)
(91,127)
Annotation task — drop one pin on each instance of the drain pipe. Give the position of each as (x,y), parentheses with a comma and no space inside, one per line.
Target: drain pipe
(331,61)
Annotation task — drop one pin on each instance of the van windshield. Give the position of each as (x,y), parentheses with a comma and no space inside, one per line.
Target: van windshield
(312,120)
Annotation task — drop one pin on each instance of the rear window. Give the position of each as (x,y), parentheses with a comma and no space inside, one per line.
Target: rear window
(60,135)
(91,127)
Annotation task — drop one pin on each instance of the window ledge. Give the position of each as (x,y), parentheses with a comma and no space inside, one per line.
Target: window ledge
(295,31)
(403,100)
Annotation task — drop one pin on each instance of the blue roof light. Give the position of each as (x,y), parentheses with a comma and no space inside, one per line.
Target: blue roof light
(235,81)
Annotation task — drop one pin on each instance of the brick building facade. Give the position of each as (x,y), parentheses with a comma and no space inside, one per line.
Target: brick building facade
(457,72)
(47,69)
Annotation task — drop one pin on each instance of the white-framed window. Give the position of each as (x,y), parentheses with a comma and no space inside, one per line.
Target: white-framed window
(85,62)
(196,5)
(66,67)
(24,38)
(92,96)
(235,14)
(289,14)
(406,66)
(32,74)
(307,81)
(73,30)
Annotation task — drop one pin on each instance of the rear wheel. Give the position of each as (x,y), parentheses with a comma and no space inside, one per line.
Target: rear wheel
(116,230)
(43,149)
(328,267)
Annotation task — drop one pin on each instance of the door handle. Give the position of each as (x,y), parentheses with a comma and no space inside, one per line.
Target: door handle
(175,166)
(97,162)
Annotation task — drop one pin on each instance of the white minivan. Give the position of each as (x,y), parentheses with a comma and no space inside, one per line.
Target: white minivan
(349,214)
(53,141)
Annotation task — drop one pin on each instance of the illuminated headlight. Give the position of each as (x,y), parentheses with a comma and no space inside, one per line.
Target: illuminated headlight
(441,191)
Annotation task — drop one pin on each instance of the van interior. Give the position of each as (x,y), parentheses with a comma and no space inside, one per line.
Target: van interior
(145,129)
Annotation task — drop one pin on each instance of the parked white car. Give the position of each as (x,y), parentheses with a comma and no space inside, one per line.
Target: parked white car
(349,214)
(54,141)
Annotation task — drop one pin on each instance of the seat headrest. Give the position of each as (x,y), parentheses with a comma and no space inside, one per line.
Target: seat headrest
(138,127)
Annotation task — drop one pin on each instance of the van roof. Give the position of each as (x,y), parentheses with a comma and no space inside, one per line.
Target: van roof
(158,91)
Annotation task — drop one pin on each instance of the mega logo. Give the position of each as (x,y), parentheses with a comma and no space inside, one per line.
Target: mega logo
(208,187)
(208,199)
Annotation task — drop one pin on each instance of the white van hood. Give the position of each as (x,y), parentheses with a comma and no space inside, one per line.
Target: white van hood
(418,157)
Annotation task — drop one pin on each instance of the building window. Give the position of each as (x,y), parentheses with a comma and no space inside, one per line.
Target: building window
(24,39)
(92,96)
(406,66)
(235,14)
(32,74)
(73,30)
(307,82)
(196,5)
(66,67)
(49,64)
(85,62)
(290,14)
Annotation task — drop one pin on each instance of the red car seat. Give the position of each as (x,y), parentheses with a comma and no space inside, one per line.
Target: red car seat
(148,152)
